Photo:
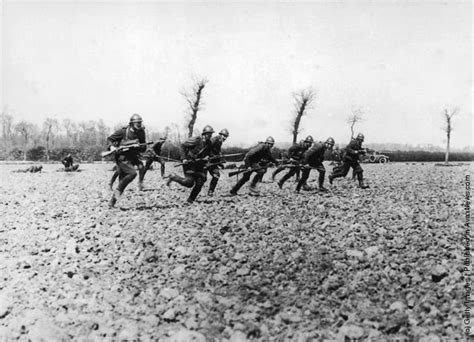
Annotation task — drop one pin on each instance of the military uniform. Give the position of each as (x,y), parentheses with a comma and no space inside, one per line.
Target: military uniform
(69,164)
(313,159)
(214,171)
(295,153)
(31,169)
(126,160)
(153,154)
(351,159)
(192,149)
(257,159)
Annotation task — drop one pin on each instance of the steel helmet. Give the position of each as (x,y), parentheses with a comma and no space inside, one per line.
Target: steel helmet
(309,139)
(270,141)
(224,132)
(330,141)
(360,136)
(207,129)
(135,118)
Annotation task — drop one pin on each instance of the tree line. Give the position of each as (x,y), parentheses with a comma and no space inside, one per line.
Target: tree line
(86,139)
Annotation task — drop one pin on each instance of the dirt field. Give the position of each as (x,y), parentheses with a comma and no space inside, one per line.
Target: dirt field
(383,263)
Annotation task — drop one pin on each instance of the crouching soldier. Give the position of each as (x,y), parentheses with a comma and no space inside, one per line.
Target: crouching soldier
(256,160)
(351,159)
(69,163)
(127,158)
(193,153)
(216,145)
(153,154)
(295,155)
(313,159)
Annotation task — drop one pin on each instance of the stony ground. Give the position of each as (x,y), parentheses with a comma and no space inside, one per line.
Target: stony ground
(379,264)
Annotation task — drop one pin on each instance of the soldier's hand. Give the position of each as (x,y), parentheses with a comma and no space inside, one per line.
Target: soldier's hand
(186,161)
(112,148)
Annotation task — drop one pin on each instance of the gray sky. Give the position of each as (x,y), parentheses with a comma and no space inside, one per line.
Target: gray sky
(401,62)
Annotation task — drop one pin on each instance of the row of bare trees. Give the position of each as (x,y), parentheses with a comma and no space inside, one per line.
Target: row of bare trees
(53,133)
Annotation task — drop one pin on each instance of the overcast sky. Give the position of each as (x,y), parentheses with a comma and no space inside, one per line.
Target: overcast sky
(401,62)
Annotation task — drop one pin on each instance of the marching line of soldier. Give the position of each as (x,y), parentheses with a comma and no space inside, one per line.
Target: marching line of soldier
(202,154)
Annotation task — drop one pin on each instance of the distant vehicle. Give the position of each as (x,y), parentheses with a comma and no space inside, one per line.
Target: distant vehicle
(374,157)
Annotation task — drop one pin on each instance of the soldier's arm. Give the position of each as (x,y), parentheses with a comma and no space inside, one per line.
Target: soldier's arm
(293,151)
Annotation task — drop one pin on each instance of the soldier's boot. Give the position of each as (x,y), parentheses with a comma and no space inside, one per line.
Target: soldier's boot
(360,178)
(111,186)
(140,185)
(306,187)
(162,170)
(212,186)
(115,197)
(330,178)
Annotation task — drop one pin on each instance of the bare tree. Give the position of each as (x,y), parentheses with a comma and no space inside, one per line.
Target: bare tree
(26,130)
(355,117)
(448,129)
(194,100)
(50,125)
(303,100)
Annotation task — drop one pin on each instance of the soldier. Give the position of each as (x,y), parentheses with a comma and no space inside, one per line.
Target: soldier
(351,159)
(313,158)
(31,169)
(153,154)
(256,160)
(127,159)
(193,153)
(69,163)
(216,145)
(295,155)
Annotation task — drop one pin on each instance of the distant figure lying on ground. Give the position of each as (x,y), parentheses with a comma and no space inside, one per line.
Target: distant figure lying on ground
(32,169)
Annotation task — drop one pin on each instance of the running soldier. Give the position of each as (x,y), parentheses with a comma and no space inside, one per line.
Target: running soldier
(295,154)
(216,145)
(69,163)
(194,153)
(132,135)
(313,159)
(351,159)
(256,160)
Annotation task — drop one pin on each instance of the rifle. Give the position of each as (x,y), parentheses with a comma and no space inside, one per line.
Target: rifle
(233,173)
(209,159)
(125,147)
(170,159)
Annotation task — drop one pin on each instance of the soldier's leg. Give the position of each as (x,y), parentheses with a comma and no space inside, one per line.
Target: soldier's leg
(141,175)
(198,183)
(215,178)
(360,175)
(127,174)
(297,175)
(241,182)
(162,167)
(291,173)
(277,171)
(304,177)
(114,177)
(322,173)
(256,179)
